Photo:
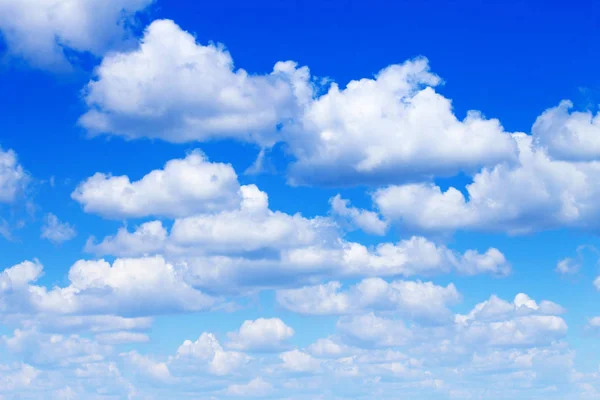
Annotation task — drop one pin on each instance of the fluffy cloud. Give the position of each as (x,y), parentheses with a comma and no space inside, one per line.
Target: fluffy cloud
(385,130)
(415,300)
(41,30)
(183,187)
(391,129)
(523,322)
(573,136)
(58,350)
(299,361)
(177,90)
(307,255)
(209,351)
(538,193)
(130,287)
(373,331)
(57,231)
(153,369)
(263,334)
(12,176)
(366,220)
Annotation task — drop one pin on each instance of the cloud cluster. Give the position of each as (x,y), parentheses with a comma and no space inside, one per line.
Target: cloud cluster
(537,193)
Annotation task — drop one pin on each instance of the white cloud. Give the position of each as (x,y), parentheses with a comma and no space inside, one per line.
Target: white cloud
(57,231)
(13,178)
(267,249)
(263,334)
(148,367)
(523,322)
(16,379)
(299,361)
(415,300)
(594,322)
(495,309)
(207,349)
(183,187)
(567,266)
(130,287)
(597,283)
(60,350)
(250,228)
(328,347)
(566,135)
(41,30)
(255,388)
(372,331)
(391,129)
(368,221)
(538,193)
(177,90)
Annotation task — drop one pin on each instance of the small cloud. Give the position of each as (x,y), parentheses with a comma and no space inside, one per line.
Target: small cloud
(57,231)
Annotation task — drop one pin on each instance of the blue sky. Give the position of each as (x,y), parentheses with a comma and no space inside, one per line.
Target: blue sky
(299,200)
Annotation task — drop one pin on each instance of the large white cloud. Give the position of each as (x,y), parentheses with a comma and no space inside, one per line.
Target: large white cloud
(183,187)
(289,250)
(41,30)
(537,193)
(177,90)
(391,129)
(413,299)
(128,287)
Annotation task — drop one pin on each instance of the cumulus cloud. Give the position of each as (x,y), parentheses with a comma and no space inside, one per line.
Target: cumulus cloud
(13,177)
(299,361)
(145,365)
(567,135)
(391,129)
(372,331)
(178,90)
(368,221)
(41,31)
(57,231)
(538,193)
(254,244)
(208,351)
(423,301)
(128,287)
(263,334)
(183,187)
(523,322)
